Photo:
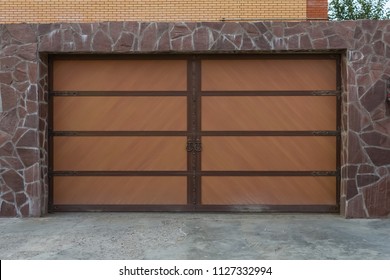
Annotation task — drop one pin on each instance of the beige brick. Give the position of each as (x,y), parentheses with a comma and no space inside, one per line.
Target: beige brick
(14,11)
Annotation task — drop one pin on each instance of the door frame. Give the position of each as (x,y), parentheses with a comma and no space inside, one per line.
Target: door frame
(194,135)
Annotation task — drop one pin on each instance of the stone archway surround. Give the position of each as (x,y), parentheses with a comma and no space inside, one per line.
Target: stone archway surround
(364,46)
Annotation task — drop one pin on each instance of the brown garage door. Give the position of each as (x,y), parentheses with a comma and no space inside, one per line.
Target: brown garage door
(206,133)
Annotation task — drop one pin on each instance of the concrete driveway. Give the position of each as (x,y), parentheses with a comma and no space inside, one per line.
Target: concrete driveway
(193,236)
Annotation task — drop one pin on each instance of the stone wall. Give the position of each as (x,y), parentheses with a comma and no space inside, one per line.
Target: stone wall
(365,46)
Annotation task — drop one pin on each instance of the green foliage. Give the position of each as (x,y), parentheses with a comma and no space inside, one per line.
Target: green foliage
(358,9)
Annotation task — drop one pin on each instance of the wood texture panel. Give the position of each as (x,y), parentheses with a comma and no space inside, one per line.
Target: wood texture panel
(277,153)
(284,113)
(269,190)
(126,113)
(120,190)
(119,75)
(120,153)
(268,74)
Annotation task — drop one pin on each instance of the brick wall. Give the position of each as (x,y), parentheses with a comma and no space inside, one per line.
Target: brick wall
(317,9)
(46,11)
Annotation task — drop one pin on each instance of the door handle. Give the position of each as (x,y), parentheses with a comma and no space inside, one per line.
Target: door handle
(190,146)
(198,147)
(194,146)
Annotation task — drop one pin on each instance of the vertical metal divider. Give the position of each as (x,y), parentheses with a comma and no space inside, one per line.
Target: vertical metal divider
(338,128)
(191,129)
(198,137)
(193,138)
(50,135)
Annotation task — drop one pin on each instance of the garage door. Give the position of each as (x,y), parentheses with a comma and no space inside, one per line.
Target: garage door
(196,133)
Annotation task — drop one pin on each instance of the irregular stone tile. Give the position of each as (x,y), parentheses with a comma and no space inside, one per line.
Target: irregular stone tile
(164,43)
(148,38)
(382,126)
(355,208)
(378,156)
(29,139)
(305,42)
(378,35)
(32,190)
(374,97)
(28,156)
(295,29)
(125,42)
(14,180)
(355,118)
(336,42)
(232,29)
(351,189)
(162,27)
(6,150)
(217,26)
(132,27)
(8,197)
(366,179)
(355,151)
(82,42)
(369,26)
(293,42)
(377,199)
(51,42)
(8,98)
(28,52)
(320,44)
(25,210)
(224,43)
(379,114)
(4,138)
(383,171)
(115,30)
(179,30)
(379,48)
(20,199)
(31,174)
(366,169)
(6,78)
(261,26)
(24,33)
(45,28)
(201,39)
(247,43)
(9,121)
(101,42)
(251,30)
(351,171)
(12,163)
(187,43)
(7,210)
(376,139)
(9,63)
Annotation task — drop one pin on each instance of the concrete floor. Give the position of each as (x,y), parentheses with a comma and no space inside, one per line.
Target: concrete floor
(193,236)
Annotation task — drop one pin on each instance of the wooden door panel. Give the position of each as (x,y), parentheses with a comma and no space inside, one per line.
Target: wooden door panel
(120,75)
(241,190)
(269,75)
(271,153)
(121,190)
(120,113)
(120,153)
(268,113)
